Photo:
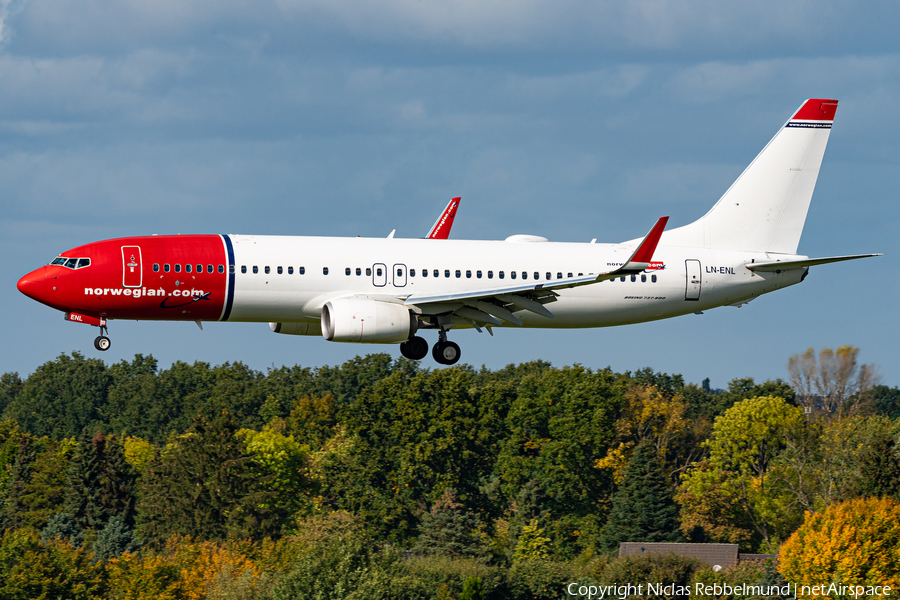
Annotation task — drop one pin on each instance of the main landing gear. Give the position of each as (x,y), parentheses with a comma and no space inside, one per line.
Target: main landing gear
(444,352)
(102,342)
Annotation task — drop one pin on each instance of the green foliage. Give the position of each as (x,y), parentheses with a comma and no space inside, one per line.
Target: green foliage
(449,529)
(654,568)
(206,485)
(114,539)
(559,425)
(744,446)
(879,470)
(100,483)
(62,397)
(885,401)
(30,570)
(406,441)
(10,386)
(61,527)
(337,570)
(531,544)
(284,462)
(643,510)
(540,579)
(473,589)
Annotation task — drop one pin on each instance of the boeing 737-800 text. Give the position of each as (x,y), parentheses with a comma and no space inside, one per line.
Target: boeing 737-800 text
(385,290)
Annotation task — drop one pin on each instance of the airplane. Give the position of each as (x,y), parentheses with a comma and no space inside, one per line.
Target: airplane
(386,290)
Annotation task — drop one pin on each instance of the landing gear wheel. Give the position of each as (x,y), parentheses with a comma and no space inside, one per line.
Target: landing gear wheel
(102,343)
(446,353)
(415,348)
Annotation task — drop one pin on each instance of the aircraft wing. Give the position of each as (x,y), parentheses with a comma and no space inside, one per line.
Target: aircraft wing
(784,265)
(441,228)
(490,306)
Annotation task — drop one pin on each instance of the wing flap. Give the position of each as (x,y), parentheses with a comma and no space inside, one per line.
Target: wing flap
(523,295)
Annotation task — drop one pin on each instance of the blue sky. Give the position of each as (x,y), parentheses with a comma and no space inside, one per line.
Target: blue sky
(572,120)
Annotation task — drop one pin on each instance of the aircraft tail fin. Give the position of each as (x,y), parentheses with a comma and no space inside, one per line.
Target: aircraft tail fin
(765,209)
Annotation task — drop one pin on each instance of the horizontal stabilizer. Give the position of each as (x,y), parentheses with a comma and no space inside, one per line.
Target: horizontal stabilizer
(783,265)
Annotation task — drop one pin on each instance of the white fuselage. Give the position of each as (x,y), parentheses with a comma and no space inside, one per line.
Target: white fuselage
(291,285)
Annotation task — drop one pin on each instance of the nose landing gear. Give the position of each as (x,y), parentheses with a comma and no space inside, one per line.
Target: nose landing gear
(102,341)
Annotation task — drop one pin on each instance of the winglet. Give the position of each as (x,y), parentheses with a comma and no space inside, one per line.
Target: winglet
(643,256)
(441,228)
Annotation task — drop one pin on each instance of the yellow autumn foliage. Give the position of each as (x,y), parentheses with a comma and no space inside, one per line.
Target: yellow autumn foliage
(182,570)
(855,542)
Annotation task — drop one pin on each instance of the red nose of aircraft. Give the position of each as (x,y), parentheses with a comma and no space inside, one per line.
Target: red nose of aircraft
(34,285)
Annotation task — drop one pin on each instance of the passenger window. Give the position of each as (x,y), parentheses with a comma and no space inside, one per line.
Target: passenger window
(643,279)
(435,273)
(324,270)
(209,268)
(446,272)
(653,278)
(468,274)
(199,268)
(622,278)
(512,274)
(378,271)
(358,271)
(633,278)
(558,275)
(478,274)
(500,275)
(243,268)
(412,272)
(267,269)
(347,271)
(490,274)
(458,274)
(302,270)
(221,268)
(156,267)
(569,275)
(399,272)
(424,272)
(187,268)
(290,270)
(280,271)
(83,262)
(231,269)
(580,274)
(525,275)
(368,272)
(255,269)
(167,268)
(177,268)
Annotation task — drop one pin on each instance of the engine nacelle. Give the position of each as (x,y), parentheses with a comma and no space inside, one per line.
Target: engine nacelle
(296,328)
(367,321)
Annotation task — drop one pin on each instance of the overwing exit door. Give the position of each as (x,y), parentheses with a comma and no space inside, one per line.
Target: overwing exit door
(379,274)
(132,273)
(694,278)
(399,275)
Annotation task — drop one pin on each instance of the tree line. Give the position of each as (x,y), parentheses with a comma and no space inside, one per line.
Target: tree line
(515,479)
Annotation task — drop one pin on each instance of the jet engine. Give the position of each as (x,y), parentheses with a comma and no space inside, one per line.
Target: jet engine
(367,321)
(296,328)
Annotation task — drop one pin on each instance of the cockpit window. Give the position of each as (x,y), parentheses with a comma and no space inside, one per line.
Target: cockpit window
(71,263)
